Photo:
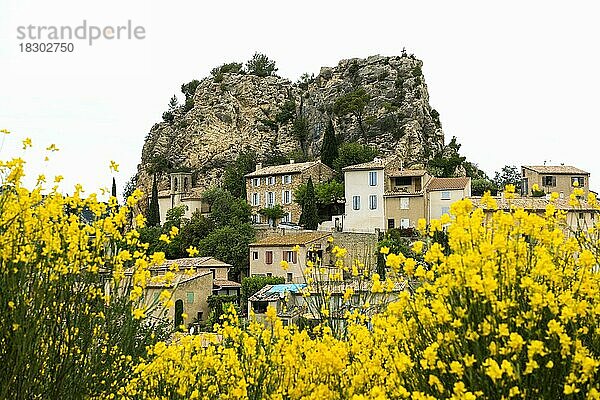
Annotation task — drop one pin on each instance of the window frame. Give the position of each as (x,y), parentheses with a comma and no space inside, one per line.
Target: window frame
(356,202)
(269,257)
(372,178)
(445,195)
(372,202)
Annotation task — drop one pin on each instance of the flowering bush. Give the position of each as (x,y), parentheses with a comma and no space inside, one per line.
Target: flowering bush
(71,291)
(510,310)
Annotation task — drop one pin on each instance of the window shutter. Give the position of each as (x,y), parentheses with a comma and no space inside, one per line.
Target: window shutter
(294,257)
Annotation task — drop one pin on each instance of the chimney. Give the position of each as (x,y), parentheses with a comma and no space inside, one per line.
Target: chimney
(292,161)
(258,166)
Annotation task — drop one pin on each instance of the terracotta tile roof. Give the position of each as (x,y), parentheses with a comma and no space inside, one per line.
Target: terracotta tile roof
(194,262)
(292,239)
(533,204)
(406,172)
(377,163)
(226,283)
(556,169)
(286,169)
(448,183)
(180,279)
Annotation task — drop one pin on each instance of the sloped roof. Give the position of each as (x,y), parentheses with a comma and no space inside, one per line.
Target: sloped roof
(194,262)
(406,172)
(556,169)
(292,239)
(276,292)
(377,163)
(224,283)
(286,169)
(181,279)
(448,183)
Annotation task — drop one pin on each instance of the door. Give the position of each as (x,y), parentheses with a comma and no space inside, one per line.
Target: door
(178,313)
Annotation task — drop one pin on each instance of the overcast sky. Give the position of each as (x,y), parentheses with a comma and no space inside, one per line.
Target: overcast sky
(517,82)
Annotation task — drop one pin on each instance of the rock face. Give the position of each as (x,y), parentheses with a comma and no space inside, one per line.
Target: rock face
(262,114)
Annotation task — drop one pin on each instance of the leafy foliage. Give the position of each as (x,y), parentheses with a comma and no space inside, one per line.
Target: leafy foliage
(328,197)
(153,216)
(273,213)
(310,216)
(234,179)
(329,148)
(446,163)
(509,175)
(354,103)
(353,153)
(480,186)
(287,112)
(261,65)
(230,244)
(225,209)
(227,68)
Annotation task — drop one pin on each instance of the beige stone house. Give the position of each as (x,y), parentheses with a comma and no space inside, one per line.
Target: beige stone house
(266,254)
(579,217)
(190,292)
(273,185)
(382,195)
(554,178)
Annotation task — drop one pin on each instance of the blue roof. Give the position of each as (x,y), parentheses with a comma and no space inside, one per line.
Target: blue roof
(287,287)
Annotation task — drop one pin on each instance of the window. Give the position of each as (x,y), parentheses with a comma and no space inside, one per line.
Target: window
(548,180)
(270,199)
(356,202)
(255,199)
(190,297)
(287,217)
(200,315)
(404,203)
(287,179)
(256,182)
(290,277)
(268,257)
(259,307)
(445,195)
(271,180)
(175,183)
(256,218)
(404,223)
(391,223)
(255,255)
(577,181)
(403,181)
(372,202)
(185,183)
(372,178)
(287,196)
(290,256)
(445,210)
(269,274)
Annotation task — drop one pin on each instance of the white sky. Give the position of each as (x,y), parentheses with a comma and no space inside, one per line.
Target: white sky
(516,81)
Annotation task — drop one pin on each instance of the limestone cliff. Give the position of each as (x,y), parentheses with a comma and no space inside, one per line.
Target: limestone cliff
(243,111)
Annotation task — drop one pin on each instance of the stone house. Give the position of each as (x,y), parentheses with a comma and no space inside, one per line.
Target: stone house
(208,276)
(579,217)
(181,192)
(267,254)
(273,185)
(382,195)
(554,178)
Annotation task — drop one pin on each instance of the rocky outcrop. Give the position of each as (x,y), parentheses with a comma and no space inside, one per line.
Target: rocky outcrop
(242,111)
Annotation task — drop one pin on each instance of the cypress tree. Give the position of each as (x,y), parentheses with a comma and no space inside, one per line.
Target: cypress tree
(310,216)
(153,210)
(329,148)
(113,192)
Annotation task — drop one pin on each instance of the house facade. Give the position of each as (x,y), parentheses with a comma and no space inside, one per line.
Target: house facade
(195,279)
(396,197)
(181,192)
(554,178)
(578,217)
(269,186)
(266,254)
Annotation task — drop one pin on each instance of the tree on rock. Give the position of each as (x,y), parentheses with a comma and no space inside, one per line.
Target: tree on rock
(309,217)
(261,65)
(329,148)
